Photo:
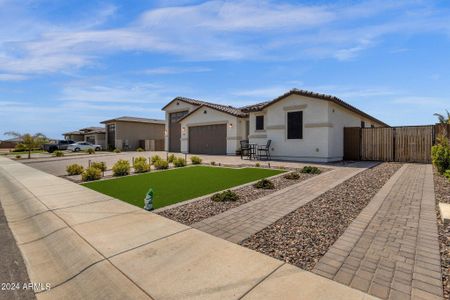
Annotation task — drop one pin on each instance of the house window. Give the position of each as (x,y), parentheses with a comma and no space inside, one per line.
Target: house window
(372,126)
(363,124)
(259,122)
(295,125)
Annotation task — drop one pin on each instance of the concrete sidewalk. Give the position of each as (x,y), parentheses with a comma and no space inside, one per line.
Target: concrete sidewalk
(90,246)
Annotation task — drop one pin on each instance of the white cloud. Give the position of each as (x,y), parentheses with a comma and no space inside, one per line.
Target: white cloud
(213,30)
(175,70)
(12,77)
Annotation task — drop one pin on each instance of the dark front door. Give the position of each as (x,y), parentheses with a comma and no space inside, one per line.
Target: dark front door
(175,131)
(209,139)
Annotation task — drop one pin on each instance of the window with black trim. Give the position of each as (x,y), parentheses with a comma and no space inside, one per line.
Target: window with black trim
(295,125)
(259,122)
(363,124)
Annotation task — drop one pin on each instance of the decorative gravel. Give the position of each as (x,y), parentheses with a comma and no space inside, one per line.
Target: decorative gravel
(196,211)
(304,236)
(442,191)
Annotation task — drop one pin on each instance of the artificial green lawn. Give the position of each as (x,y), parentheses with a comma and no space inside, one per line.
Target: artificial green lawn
(176,185)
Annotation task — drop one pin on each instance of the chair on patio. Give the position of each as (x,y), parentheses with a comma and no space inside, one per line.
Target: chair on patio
(264,151)
(245,148)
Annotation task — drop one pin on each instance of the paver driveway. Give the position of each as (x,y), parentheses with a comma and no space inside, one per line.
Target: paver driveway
(391,250)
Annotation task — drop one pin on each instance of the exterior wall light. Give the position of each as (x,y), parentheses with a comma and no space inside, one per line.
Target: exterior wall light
(231,125)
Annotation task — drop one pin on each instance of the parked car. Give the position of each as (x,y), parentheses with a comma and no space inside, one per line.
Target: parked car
(83,146)
(57,145)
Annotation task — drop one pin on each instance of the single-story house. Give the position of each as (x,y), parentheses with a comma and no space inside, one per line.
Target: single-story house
(94,135)
(10,143)
(130,133)
(302,126)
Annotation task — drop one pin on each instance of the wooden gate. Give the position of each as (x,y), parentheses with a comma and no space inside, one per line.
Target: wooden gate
(401,144)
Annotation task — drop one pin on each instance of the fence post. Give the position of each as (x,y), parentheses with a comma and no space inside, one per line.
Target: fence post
(394,144)
(360,142)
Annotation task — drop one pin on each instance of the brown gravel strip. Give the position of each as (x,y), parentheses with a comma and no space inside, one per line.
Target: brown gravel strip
(442,191)
(204,208)
(304,236)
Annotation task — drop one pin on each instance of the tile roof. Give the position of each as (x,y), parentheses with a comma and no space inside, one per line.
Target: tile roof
(134,119)
(223,108)
(243,111)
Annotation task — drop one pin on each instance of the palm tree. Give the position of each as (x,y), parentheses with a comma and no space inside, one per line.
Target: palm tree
(28,141)
(442,119)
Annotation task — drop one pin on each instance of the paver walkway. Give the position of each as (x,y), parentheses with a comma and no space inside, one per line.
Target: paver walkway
(241,222)
(391,250)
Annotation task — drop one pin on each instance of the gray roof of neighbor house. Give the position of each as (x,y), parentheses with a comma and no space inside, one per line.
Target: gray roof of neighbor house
(223,108)
(134,119)
(73,132)
(334,99)
(93,129)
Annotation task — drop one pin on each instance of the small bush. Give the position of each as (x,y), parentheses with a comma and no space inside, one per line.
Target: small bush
(310,170)
(99,165)
(213,163)
(121,168)
(58,153)
(264,184)
(18,156)
(90,151)
(74,169)
(91,174)
(155,158)
(440,155)
(171,158)
(139,149)
(447,174)
(225,196)
(141,165)
(257,165)
(292,176)
(117,150)
(161,164)
(196,160)
(179,162)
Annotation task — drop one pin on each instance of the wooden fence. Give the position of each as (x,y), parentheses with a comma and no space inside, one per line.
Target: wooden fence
(401,144)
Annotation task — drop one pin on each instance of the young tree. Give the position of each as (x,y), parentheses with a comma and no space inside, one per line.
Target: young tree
(442,119)
(28,141)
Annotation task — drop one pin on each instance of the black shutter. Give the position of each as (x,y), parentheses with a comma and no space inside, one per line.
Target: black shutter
(295,125)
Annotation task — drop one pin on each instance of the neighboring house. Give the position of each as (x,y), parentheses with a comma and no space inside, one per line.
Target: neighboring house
(10,143)
(93,135)
(130,133)
(302,126)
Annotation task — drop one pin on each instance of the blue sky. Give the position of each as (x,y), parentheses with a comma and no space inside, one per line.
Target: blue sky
(71,64)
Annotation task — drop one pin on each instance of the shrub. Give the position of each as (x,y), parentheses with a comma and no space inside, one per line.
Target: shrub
(310,170)
(225,196)
(58,153)
(213,163)
(74,169)
(196,160)
(264,184)
(121,168)
(161,164)
(171,158)
(155,158)
(141,165)
(447,174)
(99,165)
(90,151)
(440,155)
(257,165)
(139,149)
(179,162)
(91,174)
(117,150)
(292,176)
(20,148)
(18,156)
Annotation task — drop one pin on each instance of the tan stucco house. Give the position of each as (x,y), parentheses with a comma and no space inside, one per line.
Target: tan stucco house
(302,125)
(94,135)
(130,133)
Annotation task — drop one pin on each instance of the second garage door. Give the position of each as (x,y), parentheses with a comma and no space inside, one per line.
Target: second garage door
(208,139)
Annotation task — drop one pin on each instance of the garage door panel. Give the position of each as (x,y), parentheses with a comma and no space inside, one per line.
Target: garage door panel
(209,139)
